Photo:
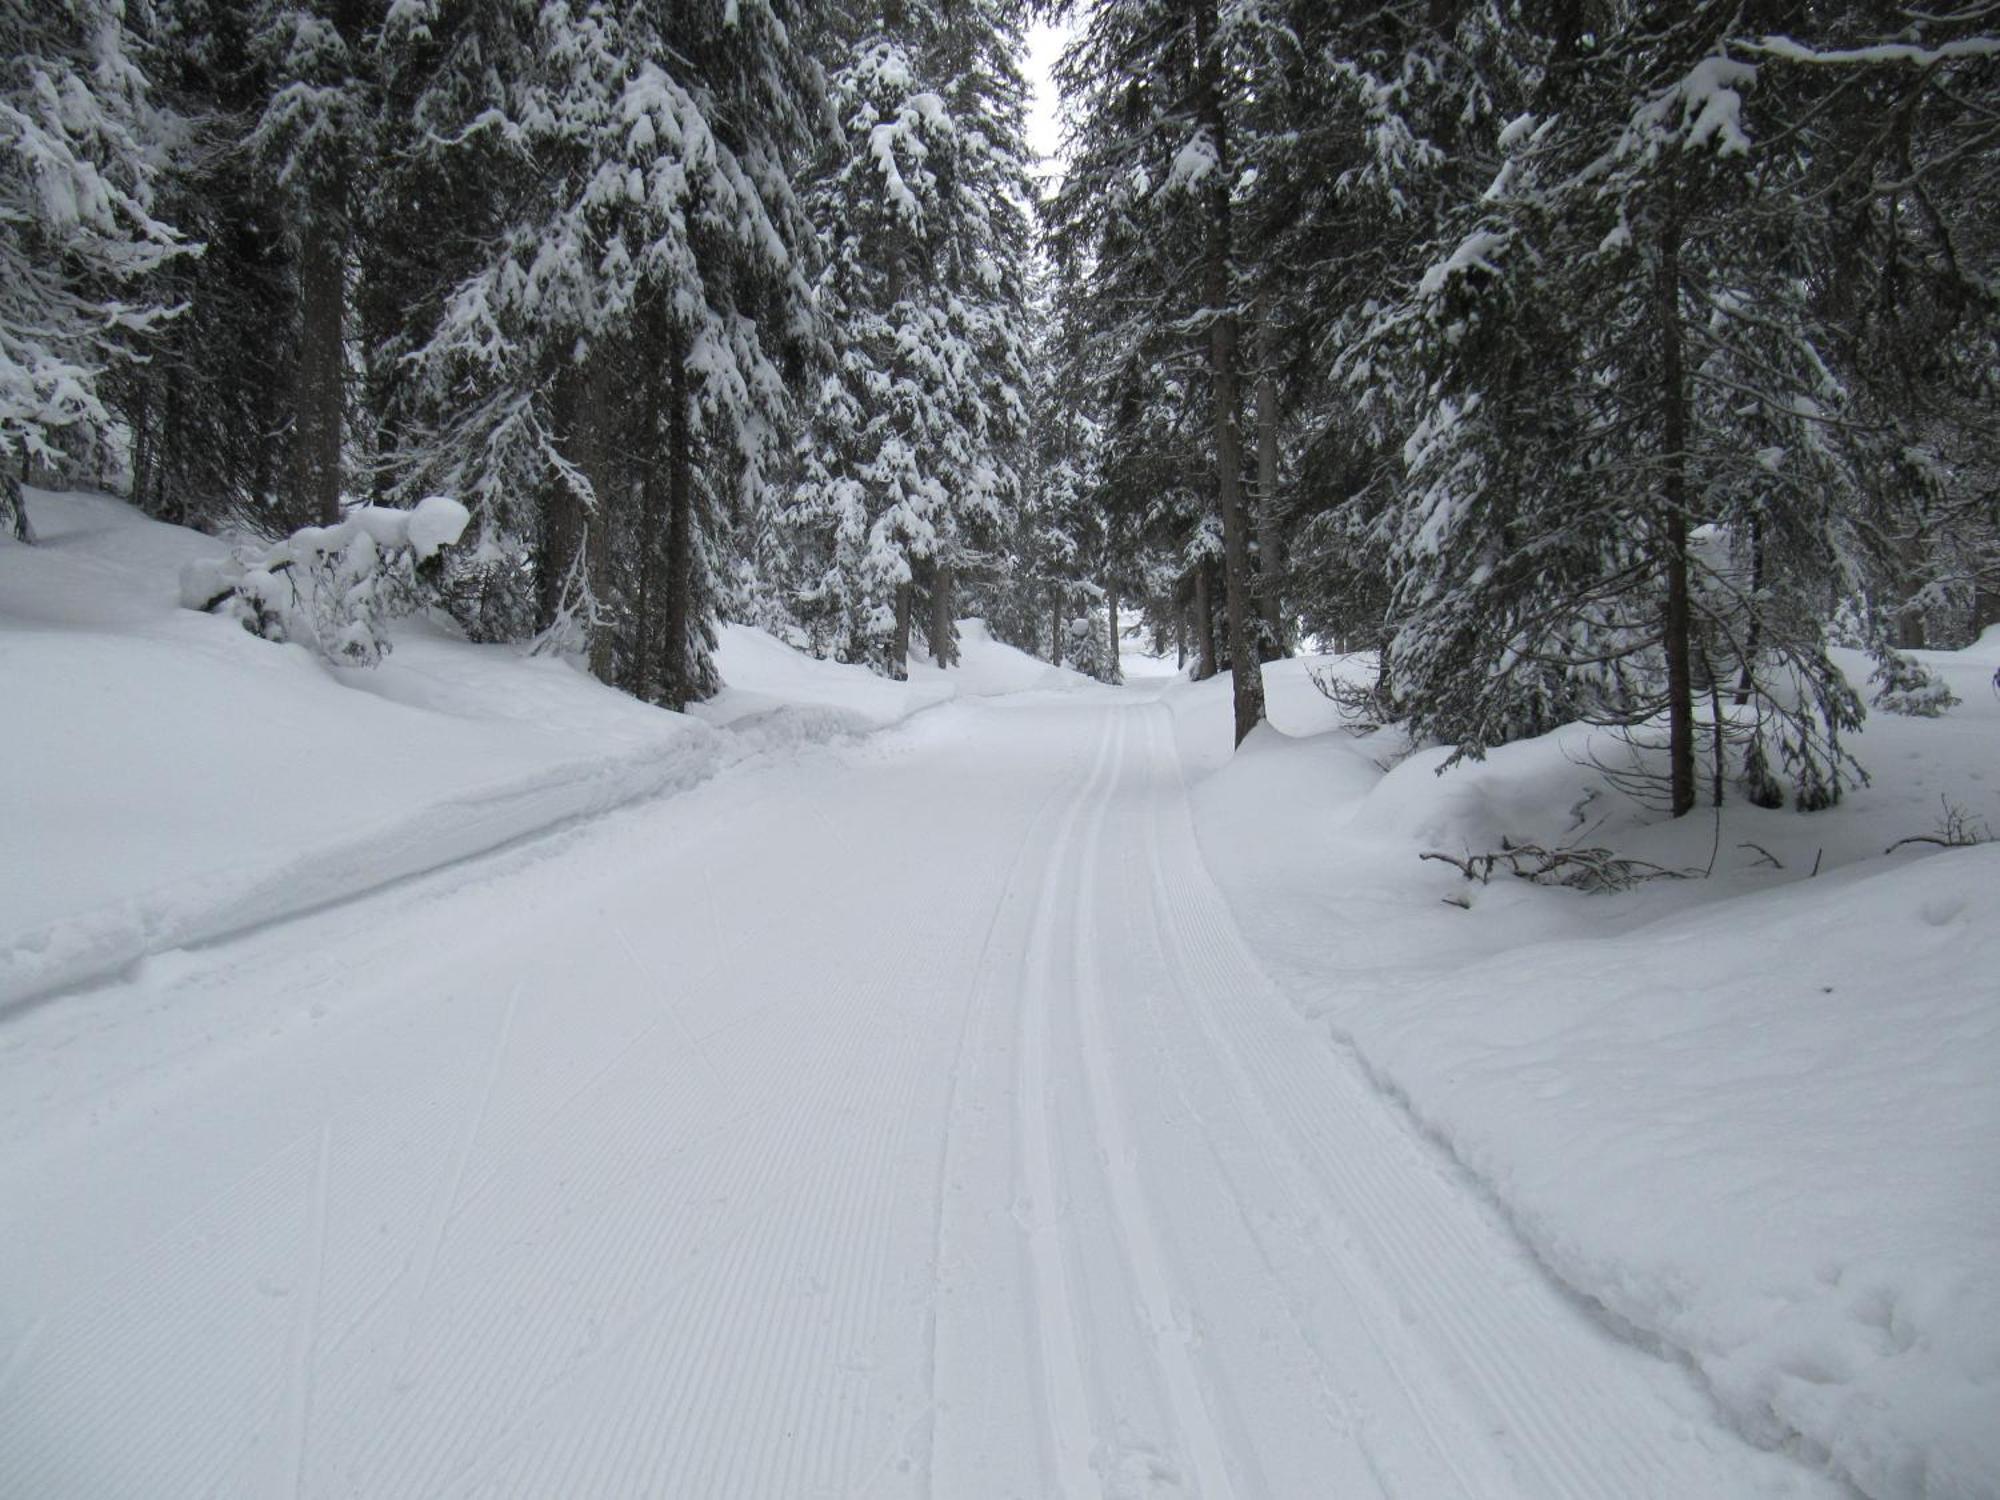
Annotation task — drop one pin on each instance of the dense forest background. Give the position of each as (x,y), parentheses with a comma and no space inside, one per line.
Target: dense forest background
(1581,359)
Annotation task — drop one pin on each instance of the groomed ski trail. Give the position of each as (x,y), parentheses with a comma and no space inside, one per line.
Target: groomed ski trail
(905,1121)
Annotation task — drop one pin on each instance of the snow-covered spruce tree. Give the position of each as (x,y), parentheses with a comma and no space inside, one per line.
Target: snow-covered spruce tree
(1051,541)
(209,410)
(1625,493)
(631,318)
(80,150)
(907,465)
(1904,182)
(1366,126)
(1159,92)
(314,141)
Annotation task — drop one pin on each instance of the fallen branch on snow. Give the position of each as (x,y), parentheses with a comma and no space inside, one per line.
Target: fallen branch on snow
(1583,869)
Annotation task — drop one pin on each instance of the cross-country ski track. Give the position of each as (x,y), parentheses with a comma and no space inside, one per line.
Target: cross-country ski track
(907,1118)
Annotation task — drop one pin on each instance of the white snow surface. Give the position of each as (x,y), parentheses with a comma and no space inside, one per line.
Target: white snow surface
(1023,1098)
(174,779)
(1753,1118)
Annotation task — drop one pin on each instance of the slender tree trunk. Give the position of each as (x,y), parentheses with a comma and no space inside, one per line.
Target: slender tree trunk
(144,449)
(1117,669)
(563,519)
(1218,292)
(1056,631)
(1180,638)
(316,427)
(677,667)
(1753,644)
(1204,624)
(944,630)
(17,500)
(1677,639)
(1270,543)
(646,633)
(899,645)
(593,438)
(166,458)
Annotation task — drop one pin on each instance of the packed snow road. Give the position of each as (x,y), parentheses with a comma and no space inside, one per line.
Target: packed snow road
(902,1119)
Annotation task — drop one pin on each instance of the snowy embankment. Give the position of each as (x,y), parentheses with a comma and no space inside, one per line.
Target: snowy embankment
(267,783)
(1752,1117)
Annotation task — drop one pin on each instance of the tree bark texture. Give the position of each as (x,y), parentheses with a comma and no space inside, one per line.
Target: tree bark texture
(1677,625)
(645,625)
(1246,673)
(563,519)
(1204,624)
(899,644)
(944,629)
(316,430)
(678,688)
(1270,542)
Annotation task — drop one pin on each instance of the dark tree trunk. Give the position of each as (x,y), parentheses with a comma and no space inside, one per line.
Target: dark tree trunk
(1270,543)
(145,450)
(1753,644)
(1678,629)
(646,627)
(316,430)
(1056,631)
(17,500)
(944,630)
(677,677)
(167,455)
(1204,624)
(1218,291)
(899,645)
(1180,638)
(563,521)
(594,457)
(1117,670)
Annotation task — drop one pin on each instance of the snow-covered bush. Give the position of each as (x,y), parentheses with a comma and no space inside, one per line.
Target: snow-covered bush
(1904,685)
(333,588)
(1088,649)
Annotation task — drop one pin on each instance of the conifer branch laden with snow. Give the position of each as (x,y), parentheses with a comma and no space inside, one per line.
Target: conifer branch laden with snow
(334,589)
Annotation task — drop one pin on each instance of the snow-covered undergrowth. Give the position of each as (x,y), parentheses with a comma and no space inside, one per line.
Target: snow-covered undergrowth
(172,778)
(1752,1116)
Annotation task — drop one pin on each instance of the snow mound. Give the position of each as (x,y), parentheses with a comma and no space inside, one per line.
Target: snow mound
(173,779)
(1764,1133)
(989,668)
(1751,1116)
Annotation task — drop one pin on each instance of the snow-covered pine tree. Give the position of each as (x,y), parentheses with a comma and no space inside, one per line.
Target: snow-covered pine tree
(908,462)
(210,411)
(1160,92)
(1366,123)
(1625,492)
(314,141)
(81,146)
(1903,182)
(633,316)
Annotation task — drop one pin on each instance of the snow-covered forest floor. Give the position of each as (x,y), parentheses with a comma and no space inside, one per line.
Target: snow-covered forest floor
(979,1085)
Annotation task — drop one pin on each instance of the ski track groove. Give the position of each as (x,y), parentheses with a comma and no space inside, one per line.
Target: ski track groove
(1274,1154)
(978,1007)
(1166,1341)
(1423,1235)
(1064,1401)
